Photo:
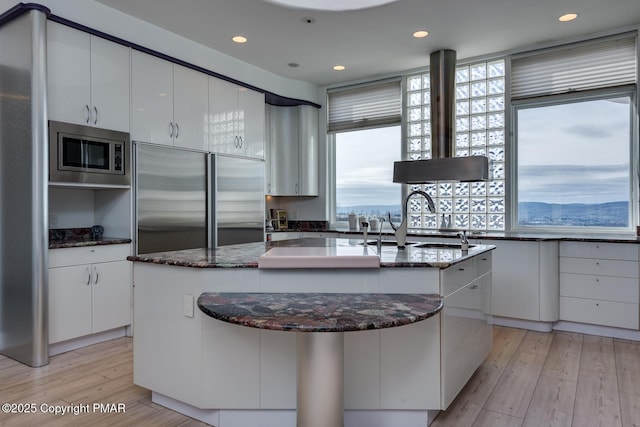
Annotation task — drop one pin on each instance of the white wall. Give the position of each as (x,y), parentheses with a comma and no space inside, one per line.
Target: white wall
(116,23)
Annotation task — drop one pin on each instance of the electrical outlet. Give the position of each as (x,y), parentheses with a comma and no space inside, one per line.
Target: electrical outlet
(188,306)
(53,220)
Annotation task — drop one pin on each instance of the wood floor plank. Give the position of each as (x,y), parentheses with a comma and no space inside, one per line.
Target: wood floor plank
(597,400)
(512,394)
(495,419)
(628,367)
(563,359)
(630,409)
(536,342)
(505,343)
(552,403)
(597,354)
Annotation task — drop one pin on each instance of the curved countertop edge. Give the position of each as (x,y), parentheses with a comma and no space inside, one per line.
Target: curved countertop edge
(58,244)
(246,255)
(319,312)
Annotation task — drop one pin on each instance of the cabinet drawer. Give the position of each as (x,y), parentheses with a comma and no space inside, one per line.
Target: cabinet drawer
(457,276)
(617,251)
(605,313)
(483,263)
(88,255)
(620,289)
(599,267)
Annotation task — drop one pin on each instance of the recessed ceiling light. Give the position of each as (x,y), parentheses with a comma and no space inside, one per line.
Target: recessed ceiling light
(420,34)
(568,17)
(239,39)
(339,67)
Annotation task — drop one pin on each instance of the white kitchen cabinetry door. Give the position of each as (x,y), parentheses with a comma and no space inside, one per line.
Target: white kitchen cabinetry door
(515,287)
(251,122)
(88,79)
(110,84)
(236,119)
(190,108)
(293,151)
(151,99)
(69,302)
(111,297)
(89,290)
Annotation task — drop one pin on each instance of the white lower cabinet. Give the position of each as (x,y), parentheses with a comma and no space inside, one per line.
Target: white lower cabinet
(599,284)
(524,279)
(87,298)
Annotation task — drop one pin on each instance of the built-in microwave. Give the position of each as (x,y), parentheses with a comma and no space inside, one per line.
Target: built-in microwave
(88,155)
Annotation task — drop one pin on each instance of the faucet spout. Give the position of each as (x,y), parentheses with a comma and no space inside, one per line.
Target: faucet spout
(401,230)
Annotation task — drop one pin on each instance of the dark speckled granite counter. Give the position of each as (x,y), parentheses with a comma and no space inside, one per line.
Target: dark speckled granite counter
(76,243)
(327,312)
(246,255)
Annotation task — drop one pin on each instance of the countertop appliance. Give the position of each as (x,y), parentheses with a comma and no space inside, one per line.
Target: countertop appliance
(187,199)
(88,155)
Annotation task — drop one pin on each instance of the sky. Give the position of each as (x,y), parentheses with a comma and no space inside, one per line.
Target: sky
(364,167)
(571,153)
(574,153)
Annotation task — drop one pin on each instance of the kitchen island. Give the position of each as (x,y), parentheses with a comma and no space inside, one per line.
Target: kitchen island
(229,375)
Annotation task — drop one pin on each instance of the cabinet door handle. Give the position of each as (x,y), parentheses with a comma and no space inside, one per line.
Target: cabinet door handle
(88,276)
(97,275)
(170,130)
(473,287)
(461,269)
(296,188)
(88,119)
(95,109)
(241,140)
(269,188)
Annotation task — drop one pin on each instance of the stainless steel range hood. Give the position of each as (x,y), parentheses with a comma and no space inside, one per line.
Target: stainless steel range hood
(442,166)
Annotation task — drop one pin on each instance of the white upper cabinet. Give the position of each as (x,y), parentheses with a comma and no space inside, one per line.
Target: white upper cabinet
(190,108)
(169,103)
(292,168)
(88,79)
(236,119)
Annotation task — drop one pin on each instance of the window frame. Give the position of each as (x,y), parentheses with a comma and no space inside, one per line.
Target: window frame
(629,91)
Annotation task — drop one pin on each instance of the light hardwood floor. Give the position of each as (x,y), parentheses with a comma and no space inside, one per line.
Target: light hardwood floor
(530,379)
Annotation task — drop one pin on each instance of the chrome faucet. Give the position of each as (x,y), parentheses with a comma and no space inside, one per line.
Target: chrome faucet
(401,230)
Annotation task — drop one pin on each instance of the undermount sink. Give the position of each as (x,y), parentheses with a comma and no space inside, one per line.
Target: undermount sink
(435,245)
(386,243)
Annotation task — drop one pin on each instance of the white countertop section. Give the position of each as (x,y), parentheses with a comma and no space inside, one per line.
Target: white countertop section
(319,257)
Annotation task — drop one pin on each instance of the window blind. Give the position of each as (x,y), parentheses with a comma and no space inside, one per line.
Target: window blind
(363,107)
(583,66)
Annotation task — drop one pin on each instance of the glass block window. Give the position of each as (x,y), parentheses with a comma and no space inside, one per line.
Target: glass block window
(480,131)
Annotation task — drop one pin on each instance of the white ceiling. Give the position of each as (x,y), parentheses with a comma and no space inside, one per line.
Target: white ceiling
(376,41)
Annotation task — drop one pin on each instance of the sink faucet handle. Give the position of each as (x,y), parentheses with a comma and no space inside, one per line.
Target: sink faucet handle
(393,226)
(463,236)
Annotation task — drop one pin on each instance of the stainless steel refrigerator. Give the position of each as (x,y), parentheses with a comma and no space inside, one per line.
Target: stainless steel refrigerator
(237,200)
(171,198)
(187,199)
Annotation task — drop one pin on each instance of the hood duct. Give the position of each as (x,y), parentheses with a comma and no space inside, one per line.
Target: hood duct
(442,166)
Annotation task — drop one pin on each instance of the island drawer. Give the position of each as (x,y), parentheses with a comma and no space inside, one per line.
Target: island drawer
(599,267)
(483,263)
(598,312)
(88,255)
(614,251)
(457,276)
(619,289)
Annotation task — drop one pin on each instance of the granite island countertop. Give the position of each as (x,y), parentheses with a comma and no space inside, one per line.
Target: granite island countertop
(246,255)
(325,312)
